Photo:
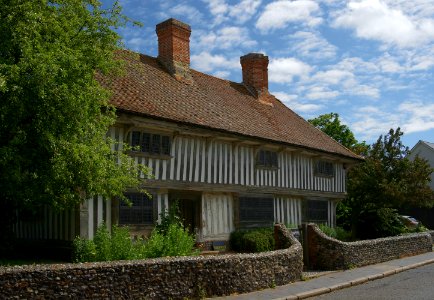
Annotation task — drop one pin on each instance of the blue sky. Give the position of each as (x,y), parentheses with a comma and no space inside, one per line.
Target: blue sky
(371,61)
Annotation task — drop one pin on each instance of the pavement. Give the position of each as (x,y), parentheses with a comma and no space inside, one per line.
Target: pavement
(326,282)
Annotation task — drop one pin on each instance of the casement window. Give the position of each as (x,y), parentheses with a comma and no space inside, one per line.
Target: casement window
(139,213)
(266,159)
(150,143)
(316,211)
(324,168)
(256,211)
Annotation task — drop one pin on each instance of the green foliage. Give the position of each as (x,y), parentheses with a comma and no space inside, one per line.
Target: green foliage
(381,222)
(118,245)
(385,181)
(177,241)
(254,240)
(54,114)
(172,216)
(84,250)
(337,232)
(103,244)
(331,125)
(121,244)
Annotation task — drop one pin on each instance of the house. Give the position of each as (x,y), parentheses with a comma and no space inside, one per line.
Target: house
(424,150)
(231,154)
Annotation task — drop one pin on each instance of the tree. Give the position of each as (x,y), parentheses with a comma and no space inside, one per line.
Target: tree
(332,126)
(387,180)
(54,115)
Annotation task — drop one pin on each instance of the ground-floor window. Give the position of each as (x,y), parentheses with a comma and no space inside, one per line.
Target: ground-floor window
(140,211)
(316,211)
(256,211)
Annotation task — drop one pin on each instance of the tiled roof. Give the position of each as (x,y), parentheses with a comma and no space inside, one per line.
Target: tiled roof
(147,89)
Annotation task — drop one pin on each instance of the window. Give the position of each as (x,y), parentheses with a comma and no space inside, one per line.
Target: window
(324,168)
(256,211)
(140,211)
(266,159)
(149,143)
(316,211)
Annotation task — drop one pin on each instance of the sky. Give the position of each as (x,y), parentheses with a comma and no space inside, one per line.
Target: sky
(370,61)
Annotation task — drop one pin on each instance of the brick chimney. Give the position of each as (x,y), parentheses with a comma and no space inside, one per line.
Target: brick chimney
(255,73)
(174,48)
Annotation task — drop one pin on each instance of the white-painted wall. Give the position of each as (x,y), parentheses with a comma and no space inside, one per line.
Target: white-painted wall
(197,160)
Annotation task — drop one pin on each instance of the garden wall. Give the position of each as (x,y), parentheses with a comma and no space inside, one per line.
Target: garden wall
(326,253)
(164,278)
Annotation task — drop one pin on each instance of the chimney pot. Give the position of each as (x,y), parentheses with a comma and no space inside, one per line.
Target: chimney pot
(174,48)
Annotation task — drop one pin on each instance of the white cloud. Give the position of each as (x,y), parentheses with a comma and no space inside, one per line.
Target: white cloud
(283,70)
(419,116)
(375,20)
(222,74)
(333,76)
(225,38)
(312,45)
(206,62)
(244,10)
(321,93)
(186,11)
(370,122)
(239,13)
(279,13)
(290,100)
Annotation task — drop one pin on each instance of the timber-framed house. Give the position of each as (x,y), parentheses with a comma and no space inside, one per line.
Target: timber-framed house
(231,154)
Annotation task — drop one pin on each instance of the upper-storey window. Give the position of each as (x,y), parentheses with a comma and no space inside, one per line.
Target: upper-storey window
(324,168)
(266,159)
(150,143)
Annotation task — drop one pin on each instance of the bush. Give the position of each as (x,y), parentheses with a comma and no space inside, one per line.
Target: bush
(83,250)
(378,223)
(177,241)
(337,233)
(255,240)
(103,244)
(169,238)
(121,244)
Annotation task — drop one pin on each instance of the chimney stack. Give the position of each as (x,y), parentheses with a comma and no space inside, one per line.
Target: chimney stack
(255,73)
(174,48)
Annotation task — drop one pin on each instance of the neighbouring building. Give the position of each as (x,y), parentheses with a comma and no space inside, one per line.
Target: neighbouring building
(230,153)
(424,150)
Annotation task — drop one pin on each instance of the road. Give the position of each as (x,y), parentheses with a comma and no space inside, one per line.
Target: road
(412,284)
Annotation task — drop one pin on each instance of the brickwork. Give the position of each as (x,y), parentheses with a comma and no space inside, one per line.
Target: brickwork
(326,253)
(174,48)
(164,278)
(255,71)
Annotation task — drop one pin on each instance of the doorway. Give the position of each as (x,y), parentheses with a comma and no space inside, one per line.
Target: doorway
(189,208)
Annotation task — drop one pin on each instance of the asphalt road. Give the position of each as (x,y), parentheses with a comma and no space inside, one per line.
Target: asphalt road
(415,284)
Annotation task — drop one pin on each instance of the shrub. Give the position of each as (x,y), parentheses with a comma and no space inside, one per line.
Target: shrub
(177,241)
(337,233)
(255,240)
(172,216)
(84,250)
(121,243)
(236,240)
(376,223)
(103,244)
(169,238)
